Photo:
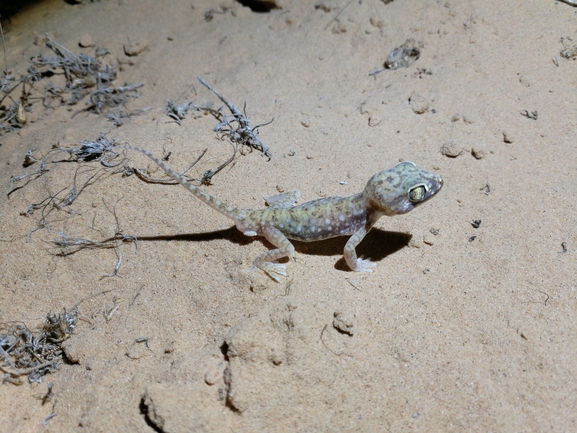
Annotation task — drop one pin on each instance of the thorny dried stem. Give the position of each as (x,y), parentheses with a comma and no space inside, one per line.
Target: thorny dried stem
(241,133)
(100,150)
(32,354)
(58,202)
(235,126)
(77,77)
(69,245)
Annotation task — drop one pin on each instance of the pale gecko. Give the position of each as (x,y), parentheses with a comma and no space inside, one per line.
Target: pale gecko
(395,191)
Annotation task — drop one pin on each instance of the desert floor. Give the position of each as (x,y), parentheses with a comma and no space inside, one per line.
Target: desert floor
(468,321)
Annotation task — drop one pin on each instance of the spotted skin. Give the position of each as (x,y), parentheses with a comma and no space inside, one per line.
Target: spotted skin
(395,191)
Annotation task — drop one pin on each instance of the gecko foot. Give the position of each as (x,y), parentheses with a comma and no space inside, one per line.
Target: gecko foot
(273,270)
(364,265)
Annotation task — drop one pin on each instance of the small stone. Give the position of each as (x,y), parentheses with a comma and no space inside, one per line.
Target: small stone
(86,41)
(506,137)
(451,149)
(342,324)
(74,352)
(134,48)
(212,376)
(419,104)
(478,152)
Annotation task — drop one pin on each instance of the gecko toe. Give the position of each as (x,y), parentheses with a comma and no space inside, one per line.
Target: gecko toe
(273,270)
(364,265)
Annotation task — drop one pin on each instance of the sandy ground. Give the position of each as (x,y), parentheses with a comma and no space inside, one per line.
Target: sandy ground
(459,328)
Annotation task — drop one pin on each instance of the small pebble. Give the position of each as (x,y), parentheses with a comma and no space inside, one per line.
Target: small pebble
(419,104)
(134,48)
(478,153)
(86,41)
(451,149)
(342,324)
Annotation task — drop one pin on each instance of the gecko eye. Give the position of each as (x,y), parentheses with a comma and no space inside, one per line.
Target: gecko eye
(417,193)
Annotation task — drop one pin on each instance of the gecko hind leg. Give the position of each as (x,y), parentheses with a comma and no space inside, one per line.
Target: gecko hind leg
(265,260)
(283,200)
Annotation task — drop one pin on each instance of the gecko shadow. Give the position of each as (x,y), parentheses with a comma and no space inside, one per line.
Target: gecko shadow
(376,245)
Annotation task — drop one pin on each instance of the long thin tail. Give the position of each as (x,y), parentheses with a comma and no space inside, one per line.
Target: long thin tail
(213,202)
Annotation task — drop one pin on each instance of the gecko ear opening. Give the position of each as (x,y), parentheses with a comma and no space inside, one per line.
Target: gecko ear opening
(417,193)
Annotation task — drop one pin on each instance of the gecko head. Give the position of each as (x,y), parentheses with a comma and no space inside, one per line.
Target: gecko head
(400,189)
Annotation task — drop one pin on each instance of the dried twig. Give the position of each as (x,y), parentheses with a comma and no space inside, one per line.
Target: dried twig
(69,245)
(241,133)
(78,76)
(100,150)
(177,112)
(34,355)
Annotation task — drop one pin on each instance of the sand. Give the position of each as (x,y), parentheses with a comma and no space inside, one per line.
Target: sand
(462,326)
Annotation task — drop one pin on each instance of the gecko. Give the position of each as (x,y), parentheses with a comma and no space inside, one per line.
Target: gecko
(395,191)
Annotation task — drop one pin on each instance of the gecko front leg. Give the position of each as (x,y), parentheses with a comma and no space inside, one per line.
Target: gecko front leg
(265,260)
(350,253)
